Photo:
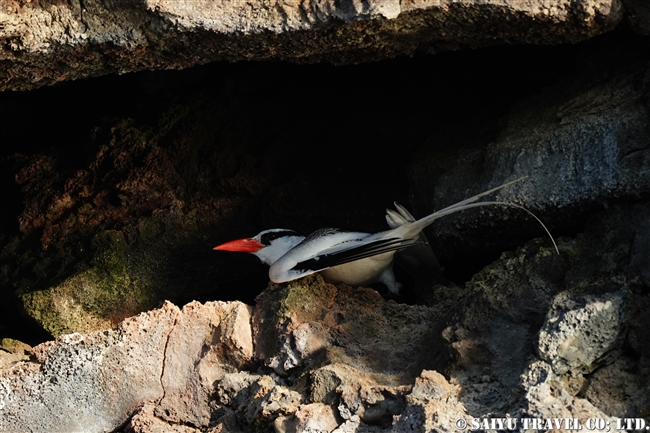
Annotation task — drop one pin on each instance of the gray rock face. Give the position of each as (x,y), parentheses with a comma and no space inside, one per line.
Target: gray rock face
(48,42)
(582,144)
(580,332)
(548,396)
(84,383)
(575,309)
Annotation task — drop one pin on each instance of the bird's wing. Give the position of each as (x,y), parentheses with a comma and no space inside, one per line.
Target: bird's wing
(289,268)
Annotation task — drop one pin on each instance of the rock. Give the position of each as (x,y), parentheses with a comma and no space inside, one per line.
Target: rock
(353,343)
(582,333)
(89,383)
(618,389)
(583,145)
(169,356)
(13,351)
(126,217)
(548,397)
(102,259)
(197,380)
(268,401)
(433,405)
(234,390)
(638,15)
(577,324)
(319,357)
(144,421)
(307,323)
(310,418)
(256,400)
(207,342)
(491,333)
(99,226)
(97,298)
(49,43)
(369,398)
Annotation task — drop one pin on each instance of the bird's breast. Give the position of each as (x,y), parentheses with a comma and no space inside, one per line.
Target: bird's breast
(361,272)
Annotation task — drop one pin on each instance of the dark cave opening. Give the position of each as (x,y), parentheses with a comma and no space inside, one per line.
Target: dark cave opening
(308,146)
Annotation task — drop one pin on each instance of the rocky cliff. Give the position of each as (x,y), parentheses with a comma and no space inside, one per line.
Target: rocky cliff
(118,316)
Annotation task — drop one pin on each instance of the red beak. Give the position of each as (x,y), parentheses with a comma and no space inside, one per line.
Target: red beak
(246,245)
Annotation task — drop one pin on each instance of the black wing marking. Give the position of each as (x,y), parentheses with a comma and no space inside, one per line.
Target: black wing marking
(369,249)
(269,237)
(321,233)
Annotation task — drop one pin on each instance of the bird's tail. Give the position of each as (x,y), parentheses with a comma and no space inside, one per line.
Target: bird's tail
(419,255)
(414,228)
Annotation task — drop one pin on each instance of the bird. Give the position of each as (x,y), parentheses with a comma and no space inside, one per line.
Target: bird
(354,258)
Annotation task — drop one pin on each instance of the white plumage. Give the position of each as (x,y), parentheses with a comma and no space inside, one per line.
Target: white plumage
(353,258)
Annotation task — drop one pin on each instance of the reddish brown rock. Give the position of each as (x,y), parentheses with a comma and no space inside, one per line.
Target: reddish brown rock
(208,341)
(144,421)
(191,370)
(112,237)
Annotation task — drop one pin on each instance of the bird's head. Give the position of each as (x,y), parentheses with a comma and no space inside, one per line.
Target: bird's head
(268,245)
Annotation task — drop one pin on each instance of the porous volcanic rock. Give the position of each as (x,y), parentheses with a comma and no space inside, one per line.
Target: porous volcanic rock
(308,323)
(538,323)
(335,358)
(93,382)
(48,42)
(571,321)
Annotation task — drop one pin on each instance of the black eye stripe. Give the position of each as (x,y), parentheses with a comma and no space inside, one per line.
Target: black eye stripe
(267,238)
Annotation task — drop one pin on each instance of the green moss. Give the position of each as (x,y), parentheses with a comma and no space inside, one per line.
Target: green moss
(307,296)
(14,346)
(97,297)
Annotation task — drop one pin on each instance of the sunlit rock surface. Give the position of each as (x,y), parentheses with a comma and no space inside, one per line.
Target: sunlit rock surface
(114,197)
(335,358)
(49,42)
(88,382)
